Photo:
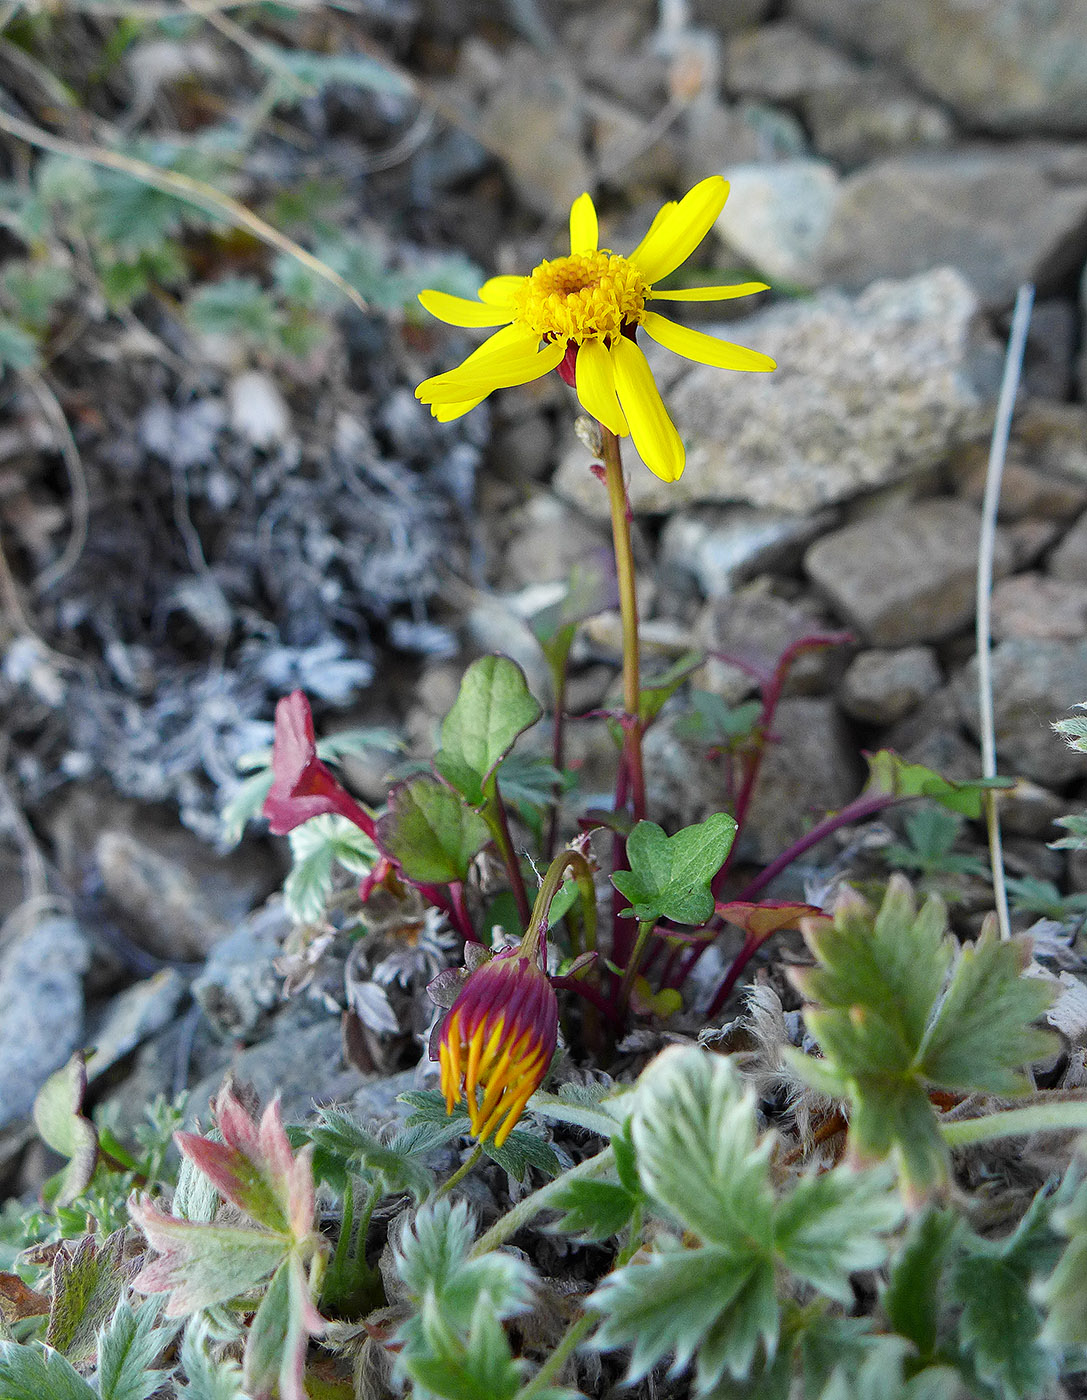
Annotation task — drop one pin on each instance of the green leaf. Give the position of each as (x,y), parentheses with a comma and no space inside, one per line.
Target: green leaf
(245,806)
(317,846)
(520,1151)
(681,1302)
(697,1151)
(26,1373)
(432,831)
(128,1346)
(1064,1293)
(596,1210)
(982,1034)
(236,306)
(712,721)
(18,348)
(669,876)
(913,1298)
(890,773)
(58,1117)
(431,1254)
(493,707)
(275,1349)
(337,1135)
(1000,1326)
(202,1265)
(320,70)
(591,589)
(659,689)
(86,1286)
(207,1379)
(832,1225)
(477,1367)
(36,288)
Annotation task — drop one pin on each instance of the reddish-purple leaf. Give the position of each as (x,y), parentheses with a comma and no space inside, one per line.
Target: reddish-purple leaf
(759,921)
(302,786)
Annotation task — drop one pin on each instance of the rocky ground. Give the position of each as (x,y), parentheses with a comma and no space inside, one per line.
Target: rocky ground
(257,522)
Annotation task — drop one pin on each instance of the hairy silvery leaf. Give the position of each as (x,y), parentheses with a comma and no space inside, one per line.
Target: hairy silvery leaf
(680,1302)
(698,1158)
(432,1257)
(338,1136)
(34,1373)
(128,1346)
(88,1278)
(830,1226)
(207,1379)
(478,1366)
(316,848)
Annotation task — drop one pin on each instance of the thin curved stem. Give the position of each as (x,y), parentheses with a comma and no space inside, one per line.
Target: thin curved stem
(628,609)
(507,1225)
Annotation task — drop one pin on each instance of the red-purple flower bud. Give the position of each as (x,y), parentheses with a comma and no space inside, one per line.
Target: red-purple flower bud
(497,1042)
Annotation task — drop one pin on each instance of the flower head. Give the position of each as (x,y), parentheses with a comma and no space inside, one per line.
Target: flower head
(580,314)
(302,786)
(497,1041)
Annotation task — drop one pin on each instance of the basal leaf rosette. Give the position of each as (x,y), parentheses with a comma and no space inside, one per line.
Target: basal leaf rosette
(580,314)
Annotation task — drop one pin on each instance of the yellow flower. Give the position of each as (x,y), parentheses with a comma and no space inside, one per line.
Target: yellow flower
(579,314)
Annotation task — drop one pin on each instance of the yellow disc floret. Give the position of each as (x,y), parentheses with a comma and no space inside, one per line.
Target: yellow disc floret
(586,296)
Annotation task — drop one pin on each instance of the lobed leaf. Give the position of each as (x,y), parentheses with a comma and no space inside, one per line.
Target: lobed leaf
(128,1346)
(33,1373)
(432,831)
(669,876)
(889,773)
(494,706)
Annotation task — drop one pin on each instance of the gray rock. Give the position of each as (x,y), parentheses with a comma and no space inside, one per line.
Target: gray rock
(1025,491)
(755,628)
(547,539)
(41,1009)
(871,117)
(163,900)
(932,735)
(809,770)
(1069,559)
(1007,65)
(1031,605)
(1048,369)
(239,986)
(724,546)
(868,391)
(1034,683)
(778,215)
(302,1063)
(782,62)
(907,576)
(138,1012)
(1001,217)
(1028,809)
(882,687)
(854,113)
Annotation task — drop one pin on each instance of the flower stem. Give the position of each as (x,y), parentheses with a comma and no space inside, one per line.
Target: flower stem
(507,1225)
(645,928)
(1069,1115)
(497,820)
(628,608)
(564,1349)
(463,1170)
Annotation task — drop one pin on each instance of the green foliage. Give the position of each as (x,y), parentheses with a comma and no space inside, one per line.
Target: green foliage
(889,773)
(28,1373)
(59,1119)
(317,848)
(207,1379)
(432,831)
(493,707)
(669,876)
(518,1153)
(891,1023)
(1042,898)
(344,1146)
(701,1163)
(712,721)
(1064,1293)
(128,1347)
(931,833)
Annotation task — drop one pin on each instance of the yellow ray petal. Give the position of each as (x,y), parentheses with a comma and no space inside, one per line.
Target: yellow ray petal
(675,237)
(664,212)
(596,386)
(459,311)
(584,228)
(501,371)
(706,349)
(498,291)
(445,413)
(653,431)
(739,289)
(509,338)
